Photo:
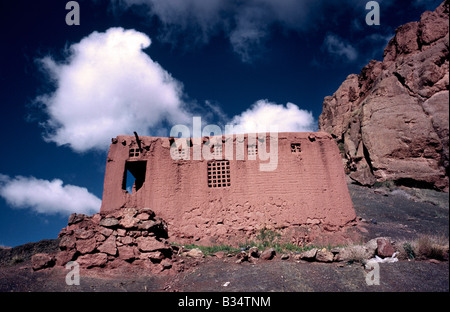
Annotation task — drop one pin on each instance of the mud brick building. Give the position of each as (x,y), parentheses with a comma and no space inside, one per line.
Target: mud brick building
(229,197)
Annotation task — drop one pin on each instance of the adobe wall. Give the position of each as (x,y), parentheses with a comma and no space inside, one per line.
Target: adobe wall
(306,190)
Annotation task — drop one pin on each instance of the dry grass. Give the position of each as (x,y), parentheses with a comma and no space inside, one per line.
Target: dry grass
(424,247)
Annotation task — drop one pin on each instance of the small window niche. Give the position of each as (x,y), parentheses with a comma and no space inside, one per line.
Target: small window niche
(295,148)
(219,173)
(216,150)
(252,149)
(134,176)
(134,152)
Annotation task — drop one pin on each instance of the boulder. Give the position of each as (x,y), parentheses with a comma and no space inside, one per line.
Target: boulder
(146,225)
(75,218)
(148,211)
(104,231)
(254,252)
(127,240)
(62,257)
(308,255)
(143,216)
(83,234)
(128,212)
(166,264)
(126,252)
(219,254)
(284,257)
(241,256)
(108,246)
(128,222)
(150,244)
(193,253)
(41,261)
(109,222)
(384,248)
(85,246)
(96,218)
(354,253)
(153,255)
(67,242)
(324,255)
(372,245)
(268,254)
(92,260)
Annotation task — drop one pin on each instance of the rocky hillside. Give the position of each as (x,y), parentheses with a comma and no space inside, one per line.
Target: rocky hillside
(392,120)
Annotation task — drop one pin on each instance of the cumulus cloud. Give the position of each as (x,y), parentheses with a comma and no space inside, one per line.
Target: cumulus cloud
(47,197)
(338,47)
(264,116)
(107,86)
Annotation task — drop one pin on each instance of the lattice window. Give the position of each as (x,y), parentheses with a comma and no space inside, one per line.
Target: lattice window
(182,153)
(219,173)
(134,152)
(252,150)
(295,148)
(217,150)
(178,153)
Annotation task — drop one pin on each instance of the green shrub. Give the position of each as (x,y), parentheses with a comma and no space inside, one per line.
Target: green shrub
(409,250)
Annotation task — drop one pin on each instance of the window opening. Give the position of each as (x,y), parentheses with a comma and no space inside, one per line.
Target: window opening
(134,175)
(134,152)
(252,150)
(217,150)
(219,173)
(182,153)
(295,148)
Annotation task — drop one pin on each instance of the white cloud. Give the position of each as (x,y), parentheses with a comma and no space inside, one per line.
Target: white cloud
(47,197)
(264,114)
(108,86)
(340,48)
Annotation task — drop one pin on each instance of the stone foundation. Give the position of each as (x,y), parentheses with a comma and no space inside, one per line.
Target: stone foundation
(129,235)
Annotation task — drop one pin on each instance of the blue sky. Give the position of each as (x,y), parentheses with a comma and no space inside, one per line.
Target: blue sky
(146,65)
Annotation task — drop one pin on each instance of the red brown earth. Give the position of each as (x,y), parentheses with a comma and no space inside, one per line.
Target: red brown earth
(392,120)
(399,213)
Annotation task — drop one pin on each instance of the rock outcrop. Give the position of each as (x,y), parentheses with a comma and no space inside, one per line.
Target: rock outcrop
(392,120)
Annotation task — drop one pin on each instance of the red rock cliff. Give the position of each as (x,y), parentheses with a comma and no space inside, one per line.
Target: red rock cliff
(392,120)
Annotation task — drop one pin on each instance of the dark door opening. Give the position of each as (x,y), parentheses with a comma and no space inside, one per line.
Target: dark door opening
(134,175)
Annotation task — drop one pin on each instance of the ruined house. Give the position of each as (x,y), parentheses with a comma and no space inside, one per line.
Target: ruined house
(216,189)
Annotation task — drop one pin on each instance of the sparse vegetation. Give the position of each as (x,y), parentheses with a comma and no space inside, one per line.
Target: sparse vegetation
(432,247)
(16,259)
(209,250)
(268,238)
(387,184)
(341,147)
(408,251)
(425,247)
